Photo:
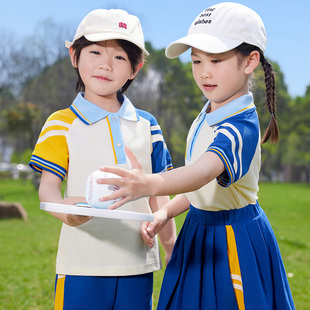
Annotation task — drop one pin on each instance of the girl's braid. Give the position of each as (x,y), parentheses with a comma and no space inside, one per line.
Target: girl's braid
(272,131)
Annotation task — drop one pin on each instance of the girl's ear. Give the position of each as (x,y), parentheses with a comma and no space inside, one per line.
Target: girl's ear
(252,62)
(134,73)
(72,57)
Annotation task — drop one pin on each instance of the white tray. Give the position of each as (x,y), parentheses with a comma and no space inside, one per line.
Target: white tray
(90,211)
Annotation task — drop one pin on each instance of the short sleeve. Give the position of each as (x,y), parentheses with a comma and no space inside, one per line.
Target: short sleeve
(161,159)
(51,151)
(235,143)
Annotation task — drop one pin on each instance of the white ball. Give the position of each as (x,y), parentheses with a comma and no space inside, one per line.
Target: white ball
(93,190)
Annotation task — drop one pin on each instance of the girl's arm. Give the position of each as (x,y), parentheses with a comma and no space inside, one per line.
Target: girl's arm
(135,183)
(171,209)
(50,191)
(168,234)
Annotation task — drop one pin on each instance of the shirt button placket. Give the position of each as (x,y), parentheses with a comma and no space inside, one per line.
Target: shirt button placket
(117,137)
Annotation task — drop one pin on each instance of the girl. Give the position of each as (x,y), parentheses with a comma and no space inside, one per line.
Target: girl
(102,263)
(226,256)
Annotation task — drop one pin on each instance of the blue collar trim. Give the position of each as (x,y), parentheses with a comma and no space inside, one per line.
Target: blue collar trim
(90,113)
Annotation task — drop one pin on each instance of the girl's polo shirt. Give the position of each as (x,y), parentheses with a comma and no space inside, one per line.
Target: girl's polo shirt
(75,142)
(232,132)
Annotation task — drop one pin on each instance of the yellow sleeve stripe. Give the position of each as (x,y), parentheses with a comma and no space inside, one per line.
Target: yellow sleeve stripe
(224,160)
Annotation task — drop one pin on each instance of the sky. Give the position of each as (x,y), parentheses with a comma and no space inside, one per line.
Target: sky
(287,24)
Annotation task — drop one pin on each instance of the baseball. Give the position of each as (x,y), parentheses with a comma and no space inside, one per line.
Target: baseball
(93,190)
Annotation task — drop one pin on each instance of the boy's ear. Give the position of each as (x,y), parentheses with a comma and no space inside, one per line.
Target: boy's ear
(72,57)
(252,62)
(134,73)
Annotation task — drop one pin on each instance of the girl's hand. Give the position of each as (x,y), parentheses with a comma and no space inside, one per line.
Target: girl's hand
(147,239)
(148,230)
(132,184)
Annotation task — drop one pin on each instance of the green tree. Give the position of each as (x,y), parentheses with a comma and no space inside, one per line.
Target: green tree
(272,154)
(21,121)
(53,89)
(166,88)
(172,96)
(297,155)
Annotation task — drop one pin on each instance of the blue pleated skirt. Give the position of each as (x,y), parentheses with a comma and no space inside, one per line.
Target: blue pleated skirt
(226,260)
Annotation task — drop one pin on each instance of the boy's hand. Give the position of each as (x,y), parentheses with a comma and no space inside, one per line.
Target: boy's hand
(76,220)
(72,219)
(50,191)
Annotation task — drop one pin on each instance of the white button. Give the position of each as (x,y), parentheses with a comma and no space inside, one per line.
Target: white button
(114,118)
(119,144)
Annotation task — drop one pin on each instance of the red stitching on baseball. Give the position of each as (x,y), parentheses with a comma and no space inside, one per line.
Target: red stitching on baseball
(91,189)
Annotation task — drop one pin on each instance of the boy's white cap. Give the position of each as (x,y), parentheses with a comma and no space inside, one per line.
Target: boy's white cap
(221,28)
(101,25)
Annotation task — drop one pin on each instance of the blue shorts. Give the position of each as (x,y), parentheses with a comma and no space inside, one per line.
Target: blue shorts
(226,260)
(104,293)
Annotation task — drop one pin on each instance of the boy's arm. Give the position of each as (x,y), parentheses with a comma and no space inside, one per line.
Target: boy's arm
(50,191)
(168,234)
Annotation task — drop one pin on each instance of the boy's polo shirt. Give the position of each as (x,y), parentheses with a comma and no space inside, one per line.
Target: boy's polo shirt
(75,142)
(232,132)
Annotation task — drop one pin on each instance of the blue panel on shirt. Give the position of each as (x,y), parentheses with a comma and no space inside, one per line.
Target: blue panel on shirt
(236,143)
(161,160)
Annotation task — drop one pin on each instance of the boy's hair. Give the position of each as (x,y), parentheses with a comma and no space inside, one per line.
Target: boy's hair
(272,132)
(135,55)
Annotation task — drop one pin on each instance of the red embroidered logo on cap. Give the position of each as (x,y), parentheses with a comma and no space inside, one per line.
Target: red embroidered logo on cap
(122,25)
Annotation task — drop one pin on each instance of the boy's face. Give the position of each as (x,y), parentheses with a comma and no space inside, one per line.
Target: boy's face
(221,77)
(104,68)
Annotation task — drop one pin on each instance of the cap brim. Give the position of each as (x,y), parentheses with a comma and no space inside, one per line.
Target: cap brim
(204,42)
(96,37)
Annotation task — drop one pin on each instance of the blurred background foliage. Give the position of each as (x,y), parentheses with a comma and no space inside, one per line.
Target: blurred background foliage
(37,79)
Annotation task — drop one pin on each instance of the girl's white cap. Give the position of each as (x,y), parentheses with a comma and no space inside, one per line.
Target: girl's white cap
(221,28)
(102,25)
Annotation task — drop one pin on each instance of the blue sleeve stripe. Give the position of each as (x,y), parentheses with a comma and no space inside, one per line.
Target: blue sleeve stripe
(155,132)
(38,167)
(49,163)
(161,160)
(35,168)
(38,164)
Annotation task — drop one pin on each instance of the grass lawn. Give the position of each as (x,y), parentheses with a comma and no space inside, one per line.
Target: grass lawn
(28,248)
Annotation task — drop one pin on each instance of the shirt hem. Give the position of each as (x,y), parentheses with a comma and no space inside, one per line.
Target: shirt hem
(115,271)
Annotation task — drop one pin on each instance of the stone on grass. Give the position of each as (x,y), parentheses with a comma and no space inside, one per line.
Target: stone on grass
(9,210)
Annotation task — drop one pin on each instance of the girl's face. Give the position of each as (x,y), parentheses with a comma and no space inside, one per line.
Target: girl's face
(221,77)
(104,68)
